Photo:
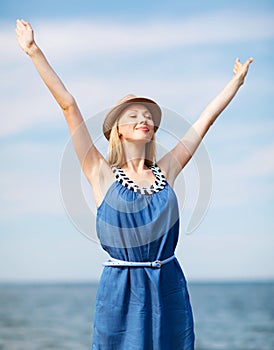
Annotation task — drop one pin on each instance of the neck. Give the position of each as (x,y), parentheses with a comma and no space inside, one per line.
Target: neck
(134,156)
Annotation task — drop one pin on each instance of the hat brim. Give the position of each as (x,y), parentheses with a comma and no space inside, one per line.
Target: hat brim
(114,113)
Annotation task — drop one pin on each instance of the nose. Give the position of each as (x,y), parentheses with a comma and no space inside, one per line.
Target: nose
(143,118)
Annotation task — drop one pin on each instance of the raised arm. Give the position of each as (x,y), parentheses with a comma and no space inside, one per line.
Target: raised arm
(90,158)
(175,160)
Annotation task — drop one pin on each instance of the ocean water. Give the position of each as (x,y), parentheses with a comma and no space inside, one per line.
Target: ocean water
(228,316)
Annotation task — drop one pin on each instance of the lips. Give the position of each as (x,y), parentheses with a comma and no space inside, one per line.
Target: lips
(143,128)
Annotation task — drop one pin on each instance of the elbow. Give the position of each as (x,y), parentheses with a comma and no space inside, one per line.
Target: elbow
(69,103)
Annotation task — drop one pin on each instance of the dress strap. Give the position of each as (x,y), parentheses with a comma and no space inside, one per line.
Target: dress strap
(121,263)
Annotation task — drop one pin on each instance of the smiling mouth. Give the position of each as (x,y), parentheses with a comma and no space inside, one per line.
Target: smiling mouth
(143,129)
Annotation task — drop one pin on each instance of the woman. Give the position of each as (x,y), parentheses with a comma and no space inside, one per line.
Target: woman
(142,300)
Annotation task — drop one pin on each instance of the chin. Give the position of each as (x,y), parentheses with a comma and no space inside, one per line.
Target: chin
(140,140)
(145,138)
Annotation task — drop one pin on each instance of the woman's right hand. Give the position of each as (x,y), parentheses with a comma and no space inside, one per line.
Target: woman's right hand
(25,36)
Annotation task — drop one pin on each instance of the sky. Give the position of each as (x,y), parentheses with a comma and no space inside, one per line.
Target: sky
(179,53)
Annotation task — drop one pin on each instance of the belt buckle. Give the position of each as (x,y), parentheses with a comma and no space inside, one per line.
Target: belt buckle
(159,264)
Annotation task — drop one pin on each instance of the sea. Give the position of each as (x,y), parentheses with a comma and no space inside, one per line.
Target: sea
(59,316)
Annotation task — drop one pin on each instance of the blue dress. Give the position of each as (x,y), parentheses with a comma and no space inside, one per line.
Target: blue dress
(141,308)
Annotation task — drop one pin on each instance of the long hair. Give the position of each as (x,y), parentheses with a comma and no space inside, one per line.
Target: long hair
(116,153)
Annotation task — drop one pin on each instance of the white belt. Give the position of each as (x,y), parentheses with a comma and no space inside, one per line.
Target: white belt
(120,263)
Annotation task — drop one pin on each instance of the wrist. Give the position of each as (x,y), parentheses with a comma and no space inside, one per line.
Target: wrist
(238,80)
(32,49)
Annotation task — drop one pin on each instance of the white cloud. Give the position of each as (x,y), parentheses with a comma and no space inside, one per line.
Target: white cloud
(24,102)
(243,129)
(245,180)
(34,105)
(155,35)
(30,179)
(240,256)
(82,37)
(258,164)
(27,107)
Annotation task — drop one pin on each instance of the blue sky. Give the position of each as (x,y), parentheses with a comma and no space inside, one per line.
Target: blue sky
(179,53)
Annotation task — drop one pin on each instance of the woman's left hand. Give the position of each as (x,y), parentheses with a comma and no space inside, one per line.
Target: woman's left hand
(240,69)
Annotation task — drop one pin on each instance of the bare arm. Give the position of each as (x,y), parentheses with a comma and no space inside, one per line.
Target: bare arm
(175,160)
(90,158)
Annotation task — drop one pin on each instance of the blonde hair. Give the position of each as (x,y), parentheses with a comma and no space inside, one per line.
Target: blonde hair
(116,153)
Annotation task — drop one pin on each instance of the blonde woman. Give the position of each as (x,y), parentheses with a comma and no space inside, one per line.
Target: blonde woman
(142,301)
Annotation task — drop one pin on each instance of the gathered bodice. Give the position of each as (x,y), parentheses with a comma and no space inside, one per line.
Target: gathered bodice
(138,224)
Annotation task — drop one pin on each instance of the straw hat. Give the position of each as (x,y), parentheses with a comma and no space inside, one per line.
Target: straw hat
(114,113)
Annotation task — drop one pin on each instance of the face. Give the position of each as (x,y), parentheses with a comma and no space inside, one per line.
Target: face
(136,124)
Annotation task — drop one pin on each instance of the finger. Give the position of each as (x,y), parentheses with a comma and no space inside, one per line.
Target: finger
(22,23)
(250,60)
(247,62)
(18,31)
(29,26)
(26,24)
(237,64)
(19,24)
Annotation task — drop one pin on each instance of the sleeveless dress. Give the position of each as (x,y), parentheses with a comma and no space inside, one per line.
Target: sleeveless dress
(141,308)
